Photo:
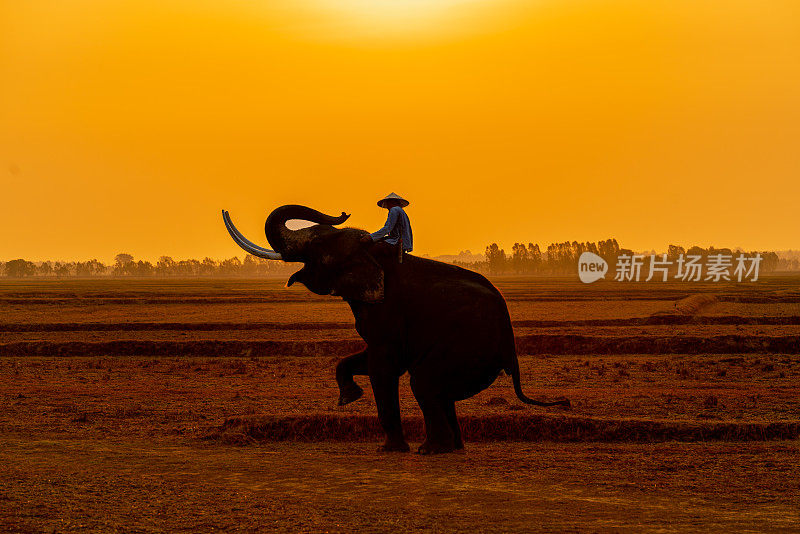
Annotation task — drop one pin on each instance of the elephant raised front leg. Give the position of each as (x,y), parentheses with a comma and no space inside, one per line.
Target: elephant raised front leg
(355,364)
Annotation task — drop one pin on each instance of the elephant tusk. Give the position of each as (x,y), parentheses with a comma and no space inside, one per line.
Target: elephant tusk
(237,235)
(246,244)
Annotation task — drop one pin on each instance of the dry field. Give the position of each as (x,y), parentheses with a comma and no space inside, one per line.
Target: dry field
(204,405)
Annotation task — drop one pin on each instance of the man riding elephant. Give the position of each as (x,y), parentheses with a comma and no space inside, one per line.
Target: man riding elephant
(395,235)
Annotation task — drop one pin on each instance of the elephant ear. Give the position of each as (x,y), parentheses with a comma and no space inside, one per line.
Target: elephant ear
(361,279)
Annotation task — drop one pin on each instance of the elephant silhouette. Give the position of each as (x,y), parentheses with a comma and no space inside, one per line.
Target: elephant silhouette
(446,326)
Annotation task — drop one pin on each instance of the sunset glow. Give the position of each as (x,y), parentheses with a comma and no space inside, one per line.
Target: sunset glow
(128,126)
(395,12)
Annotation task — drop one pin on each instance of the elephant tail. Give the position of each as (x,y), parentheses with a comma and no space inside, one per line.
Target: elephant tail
(512,366)
(514,372)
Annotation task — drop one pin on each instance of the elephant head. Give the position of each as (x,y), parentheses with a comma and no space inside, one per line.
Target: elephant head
(335,261)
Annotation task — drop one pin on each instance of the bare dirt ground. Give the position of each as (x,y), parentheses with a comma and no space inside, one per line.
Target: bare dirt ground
(114,393)
(180,485)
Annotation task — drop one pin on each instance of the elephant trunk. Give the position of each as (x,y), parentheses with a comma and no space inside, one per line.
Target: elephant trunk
(291,243)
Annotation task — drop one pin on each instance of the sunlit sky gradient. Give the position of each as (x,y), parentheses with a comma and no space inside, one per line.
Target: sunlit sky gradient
(126,125)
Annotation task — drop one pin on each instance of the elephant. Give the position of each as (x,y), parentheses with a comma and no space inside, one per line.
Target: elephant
(446,326)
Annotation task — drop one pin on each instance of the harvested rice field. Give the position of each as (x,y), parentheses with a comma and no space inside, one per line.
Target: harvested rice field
(205,405)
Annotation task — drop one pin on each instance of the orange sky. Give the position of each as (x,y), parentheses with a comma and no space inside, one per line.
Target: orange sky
(127,125)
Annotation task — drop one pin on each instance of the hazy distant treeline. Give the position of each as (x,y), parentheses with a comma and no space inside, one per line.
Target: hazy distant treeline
(126,265)
(562,258)
(556,259)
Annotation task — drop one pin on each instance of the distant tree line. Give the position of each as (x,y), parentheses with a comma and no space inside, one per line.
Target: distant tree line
(126,266)
(556,259)
(562,258)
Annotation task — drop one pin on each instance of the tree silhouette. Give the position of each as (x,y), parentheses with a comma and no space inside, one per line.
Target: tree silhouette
(123,264)
(20,268)
(519,257)
(674,252)
(45,269)
(496,257)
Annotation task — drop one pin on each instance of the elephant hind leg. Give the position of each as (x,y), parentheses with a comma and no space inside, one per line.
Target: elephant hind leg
(439,435)
(452,420)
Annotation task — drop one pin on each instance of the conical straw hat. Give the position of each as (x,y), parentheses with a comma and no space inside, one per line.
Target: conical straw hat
(394,196)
